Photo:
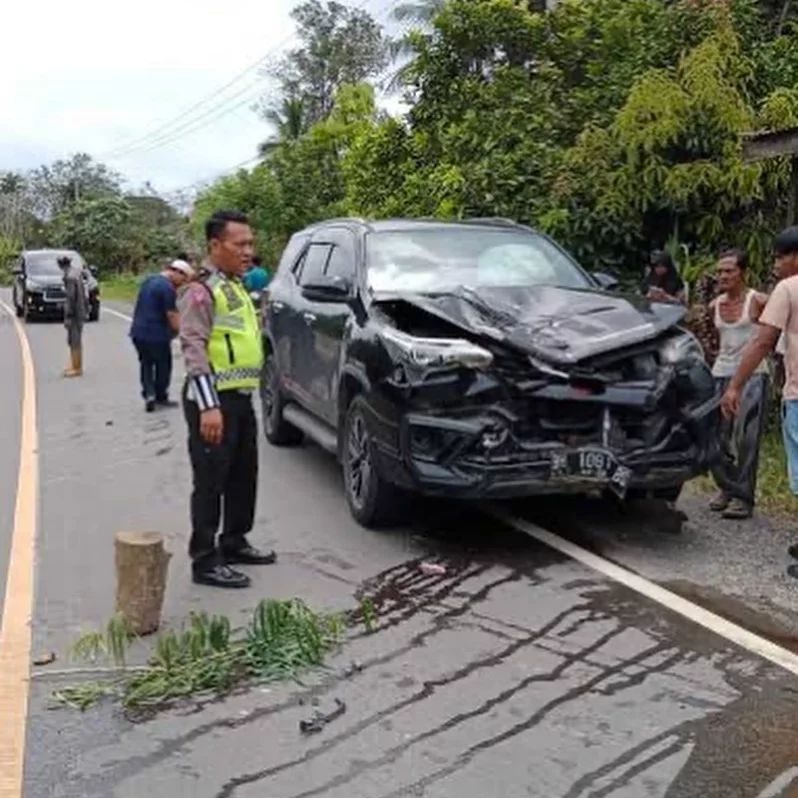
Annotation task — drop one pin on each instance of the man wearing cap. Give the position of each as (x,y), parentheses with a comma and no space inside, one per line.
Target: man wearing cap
(223,354)
(155,322)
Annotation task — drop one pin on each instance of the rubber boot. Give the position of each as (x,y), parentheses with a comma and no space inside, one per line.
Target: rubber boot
(76,363)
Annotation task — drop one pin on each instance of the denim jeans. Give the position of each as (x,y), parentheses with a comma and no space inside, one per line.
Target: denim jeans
(155,360)
(789,430)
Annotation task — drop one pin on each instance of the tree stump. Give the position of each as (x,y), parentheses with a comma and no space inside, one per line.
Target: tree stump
(141,566)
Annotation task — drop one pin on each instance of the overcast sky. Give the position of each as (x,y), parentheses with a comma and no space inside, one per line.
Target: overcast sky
(94,76)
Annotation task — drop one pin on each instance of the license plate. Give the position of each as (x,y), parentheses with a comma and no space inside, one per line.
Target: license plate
(598,464)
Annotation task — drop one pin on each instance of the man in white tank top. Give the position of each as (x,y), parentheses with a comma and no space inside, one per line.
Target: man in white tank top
(736,314)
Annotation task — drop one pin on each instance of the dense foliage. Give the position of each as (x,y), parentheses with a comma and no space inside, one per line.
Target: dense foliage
(80,204)
(616,125)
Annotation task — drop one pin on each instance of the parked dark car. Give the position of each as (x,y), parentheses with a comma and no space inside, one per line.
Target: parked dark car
(39,284)
(477,360)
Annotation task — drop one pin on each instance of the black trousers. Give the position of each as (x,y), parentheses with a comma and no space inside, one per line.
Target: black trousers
(225,479)
(155,361)
(735,471)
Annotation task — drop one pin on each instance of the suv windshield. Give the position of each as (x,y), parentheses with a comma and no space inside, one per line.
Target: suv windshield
(444,258)
(44,264)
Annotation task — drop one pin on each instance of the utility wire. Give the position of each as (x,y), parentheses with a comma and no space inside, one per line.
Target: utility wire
(151,141)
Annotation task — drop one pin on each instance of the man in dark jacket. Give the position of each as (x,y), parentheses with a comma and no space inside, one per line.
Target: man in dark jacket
(75,312)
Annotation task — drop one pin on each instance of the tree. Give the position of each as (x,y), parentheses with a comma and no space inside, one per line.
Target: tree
(340,46)
(420,11)
(54,188)
(99,229)
(289,122)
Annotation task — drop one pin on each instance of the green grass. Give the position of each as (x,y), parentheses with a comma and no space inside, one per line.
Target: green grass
(121,287)
(774,496)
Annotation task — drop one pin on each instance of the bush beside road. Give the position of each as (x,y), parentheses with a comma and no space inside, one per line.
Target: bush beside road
(121,287)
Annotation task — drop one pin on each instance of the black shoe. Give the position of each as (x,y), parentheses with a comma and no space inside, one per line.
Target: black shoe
(220,576)
(793,551)
(166,403)
(149,405)
(248,555)
(792,570)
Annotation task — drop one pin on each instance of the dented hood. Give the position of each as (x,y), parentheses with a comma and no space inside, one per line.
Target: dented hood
(560,325)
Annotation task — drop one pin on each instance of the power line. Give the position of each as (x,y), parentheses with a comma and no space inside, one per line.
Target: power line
(142,146)
(191,125)
(210,96)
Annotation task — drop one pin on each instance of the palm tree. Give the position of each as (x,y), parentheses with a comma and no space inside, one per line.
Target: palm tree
(289,121)
(420,12)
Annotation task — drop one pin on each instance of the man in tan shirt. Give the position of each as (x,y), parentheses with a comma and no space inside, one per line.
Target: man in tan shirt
(780,316)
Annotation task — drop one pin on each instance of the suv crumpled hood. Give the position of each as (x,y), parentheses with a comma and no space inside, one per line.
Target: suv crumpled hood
(560,325)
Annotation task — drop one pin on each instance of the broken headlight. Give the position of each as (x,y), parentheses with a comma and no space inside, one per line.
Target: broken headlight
(681,349)
(432,353)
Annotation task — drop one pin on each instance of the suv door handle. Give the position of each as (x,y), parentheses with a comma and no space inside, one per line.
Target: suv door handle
(309,317)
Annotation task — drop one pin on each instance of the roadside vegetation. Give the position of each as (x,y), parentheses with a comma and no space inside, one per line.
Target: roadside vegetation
(121,287)
(283,640)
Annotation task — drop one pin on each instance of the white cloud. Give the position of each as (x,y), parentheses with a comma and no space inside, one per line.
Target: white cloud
(96,76)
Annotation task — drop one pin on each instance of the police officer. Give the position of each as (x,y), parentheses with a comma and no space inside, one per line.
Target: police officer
(223,353)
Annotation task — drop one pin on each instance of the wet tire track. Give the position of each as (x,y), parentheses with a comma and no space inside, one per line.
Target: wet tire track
(484,745)
(427,691)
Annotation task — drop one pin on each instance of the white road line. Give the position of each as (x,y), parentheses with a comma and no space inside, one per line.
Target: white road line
(687,609)
(116,313)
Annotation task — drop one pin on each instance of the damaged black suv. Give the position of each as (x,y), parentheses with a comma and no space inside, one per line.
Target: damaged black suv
(477,360)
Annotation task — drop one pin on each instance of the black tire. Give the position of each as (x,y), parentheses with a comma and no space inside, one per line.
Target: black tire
(372,500)
(94,312)
(276,429)
(20,311)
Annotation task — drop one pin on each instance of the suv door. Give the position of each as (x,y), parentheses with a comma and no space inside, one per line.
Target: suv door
(278,311)
(299,319)
(328,322)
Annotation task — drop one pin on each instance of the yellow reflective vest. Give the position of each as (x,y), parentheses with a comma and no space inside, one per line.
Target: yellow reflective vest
(235,346)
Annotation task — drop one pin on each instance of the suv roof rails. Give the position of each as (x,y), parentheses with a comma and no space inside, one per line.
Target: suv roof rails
(338,220)
(492,220)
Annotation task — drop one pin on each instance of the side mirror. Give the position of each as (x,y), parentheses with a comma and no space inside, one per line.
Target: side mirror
(606,281)
(17,269)
(328,289)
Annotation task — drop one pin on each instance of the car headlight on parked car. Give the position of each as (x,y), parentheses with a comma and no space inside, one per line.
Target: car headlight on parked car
(31,285)
(432,353)
(683,348)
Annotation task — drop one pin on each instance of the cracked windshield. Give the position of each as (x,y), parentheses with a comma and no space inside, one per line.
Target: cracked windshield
(400,398)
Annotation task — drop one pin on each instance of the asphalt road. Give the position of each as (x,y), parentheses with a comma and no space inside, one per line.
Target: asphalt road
(517,672)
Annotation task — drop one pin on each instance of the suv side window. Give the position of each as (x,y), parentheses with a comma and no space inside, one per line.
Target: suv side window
(288,260)
(342,258)
(314,263)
